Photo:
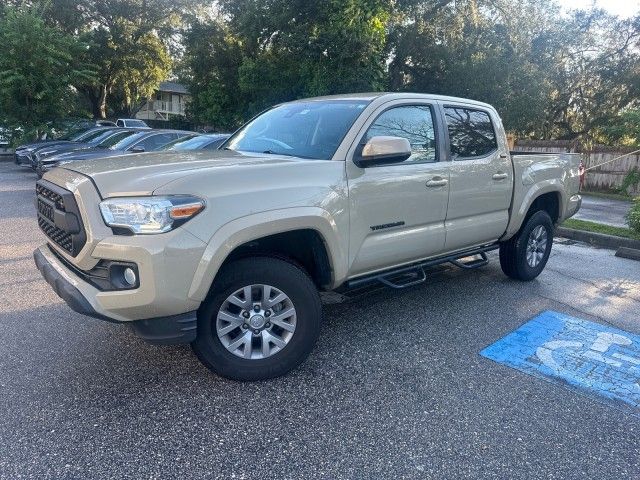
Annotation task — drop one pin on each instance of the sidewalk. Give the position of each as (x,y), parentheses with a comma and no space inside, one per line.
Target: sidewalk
(603,210)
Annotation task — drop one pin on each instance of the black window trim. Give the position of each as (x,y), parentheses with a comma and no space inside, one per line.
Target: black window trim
(446,126)
(436,132)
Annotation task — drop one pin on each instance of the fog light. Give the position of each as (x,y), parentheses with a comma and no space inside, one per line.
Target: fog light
(130,276)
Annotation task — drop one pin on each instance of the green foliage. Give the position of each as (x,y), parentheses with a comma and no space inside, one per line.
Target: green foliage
(591,61)
(633,216)
(587,226)
(630,180)
(550,75)
(476,49)
(130,65)
(623,129)
(270,51)
(38,65)
(212,60)
(128,52)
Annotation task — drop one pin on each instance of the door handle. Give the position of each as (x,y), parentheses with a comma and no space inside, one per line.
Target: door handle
(500,176)
(437,182)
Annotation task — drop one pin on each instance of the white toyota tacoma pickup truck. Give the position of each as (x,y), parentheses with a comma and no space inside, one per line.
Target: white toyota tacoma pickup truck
(228,250)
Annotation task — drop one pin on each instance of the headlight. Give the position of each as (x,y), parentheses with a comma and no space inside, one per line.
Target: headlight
(148,215)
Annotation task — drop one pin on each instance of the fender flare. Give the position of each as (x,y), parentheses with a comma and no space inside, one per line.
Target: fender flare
(257,225)
(536,190)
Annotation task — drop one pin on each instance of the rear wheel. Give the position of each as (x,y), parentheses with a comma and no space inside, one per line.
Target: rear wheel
(261,320)
(525,255)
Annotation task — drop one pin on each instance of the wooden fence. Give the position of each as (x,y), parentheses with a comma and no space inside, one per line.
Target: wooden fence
(607,177)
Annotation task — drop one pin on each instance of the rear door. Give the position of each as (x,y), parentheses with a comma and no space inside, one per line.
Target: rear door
(398,210)
(481,181)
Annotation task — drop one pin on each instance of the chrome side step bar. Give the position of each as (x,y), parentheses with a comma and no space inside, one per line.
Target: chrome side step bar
(412,275)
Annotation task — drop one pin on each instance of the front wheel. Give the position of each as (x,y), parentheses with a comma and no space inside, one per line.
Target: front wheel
(261,320)
(525,255)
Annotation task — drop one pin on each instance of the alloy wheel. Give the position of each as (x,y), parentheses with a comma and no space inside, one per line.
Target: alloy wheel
(256,321)
(536,246)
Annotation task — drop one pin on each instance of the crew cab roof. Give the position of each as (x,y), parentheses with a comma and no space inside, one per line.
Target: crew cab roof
(388,96)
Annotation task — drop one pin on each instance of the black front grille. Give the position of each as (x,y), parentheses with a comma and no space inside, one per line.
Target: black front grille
(56,198)
(59,217)
(59,236)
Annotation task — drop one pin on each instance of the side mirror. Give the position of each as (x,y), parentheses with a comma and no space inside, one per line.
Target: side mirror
(138,149)
(381,150)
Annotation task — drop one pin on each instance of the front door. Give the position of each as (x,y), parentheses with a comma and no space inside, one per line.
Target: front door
(481,181)
(398,210)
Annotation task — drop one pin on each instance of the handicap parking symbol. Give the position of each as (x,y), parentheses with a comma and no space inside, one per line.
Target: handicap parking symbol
(594,358)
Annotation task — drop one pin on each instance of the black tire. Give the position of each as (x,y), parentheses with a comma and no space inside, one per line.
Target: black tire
(513,252)
(284,276)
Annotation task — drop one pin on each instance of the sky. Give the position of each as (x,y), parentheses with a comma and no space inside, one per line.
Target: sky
(622,8)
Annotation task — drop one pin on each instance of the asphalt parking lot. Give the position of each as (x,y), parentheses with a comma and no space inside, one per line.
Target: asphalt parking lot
(604,210)
(395,388)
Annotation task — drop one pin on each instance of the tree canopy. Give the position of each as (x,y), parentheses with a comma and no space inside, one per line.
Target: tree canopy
(550,74)
(38,67)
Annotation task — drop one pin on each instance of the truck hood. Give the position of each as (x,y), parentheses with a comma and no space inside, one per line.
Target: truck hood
(142,173)
(56,150)
(43,144)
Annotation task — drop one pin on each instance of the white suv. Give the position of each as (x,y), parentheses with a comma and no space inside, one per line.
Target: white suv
(131,123)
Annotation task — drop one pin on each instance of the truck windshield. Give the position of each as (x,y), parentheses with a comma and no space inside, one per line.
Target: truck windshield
(312,129)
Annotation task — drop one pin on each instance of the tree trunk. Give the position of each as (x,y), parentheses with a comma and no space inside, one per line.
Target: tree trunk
(94,99)
(102,103)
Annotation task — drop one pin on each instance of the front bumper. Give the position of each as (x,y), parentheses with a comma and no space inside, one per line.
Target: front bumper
(166,263)
(22,158)
(63,287)
(172,329)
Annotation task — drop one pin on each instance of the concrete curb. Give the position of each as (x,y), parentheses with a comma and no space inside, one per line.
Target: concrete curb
(598,239)
(630,253)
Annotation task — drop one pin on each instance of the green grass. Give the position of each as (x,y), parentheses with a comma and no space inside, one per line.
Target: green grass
(600,228)
(608,195)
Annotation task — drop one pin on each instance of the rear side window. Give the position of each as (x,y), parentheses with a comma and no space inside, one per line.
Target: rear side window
(154,142)
(471,133)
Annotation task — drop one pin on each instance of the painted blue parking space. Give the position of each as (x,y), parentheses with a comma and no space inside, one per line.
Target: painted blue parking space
(594,358)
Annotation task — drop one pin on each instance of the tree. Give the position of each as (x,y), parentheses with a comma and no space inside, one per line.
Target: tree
(211,62)
(477,49)
(279,50)
(622,130)
(130,41)
(592,60)
(131,60)
(130,64)
(38,66)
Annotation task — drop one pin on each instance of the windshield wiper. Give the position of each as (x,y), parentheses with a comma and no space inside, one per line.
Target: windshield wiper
(271,152)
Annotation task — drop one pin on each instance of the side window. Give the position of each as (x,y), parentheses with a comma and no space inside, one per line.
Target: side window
(214,145)
(471,133)
(155,141)
(415,123)
(120,123)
